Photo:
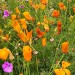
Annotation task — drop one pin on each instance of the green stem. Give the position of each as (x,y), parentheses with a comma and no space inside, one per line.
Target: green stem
(57,64)
(37,65)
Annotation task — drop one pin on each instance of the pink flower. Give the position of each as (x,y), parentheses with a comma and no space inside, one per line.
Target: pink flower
(6,13)
(7,67)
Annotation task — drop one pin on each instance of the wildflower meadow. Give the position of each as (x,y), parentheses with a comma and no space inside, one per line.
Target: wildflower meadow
(37,37)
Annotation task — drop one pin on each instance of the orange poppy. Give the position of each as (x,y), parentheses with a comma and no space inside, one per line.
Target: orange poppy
(39,33)
(61,5)
(65,47)
(27,53)
(13,17)
(27,16)
(38,23)
(74,9)
(16,26)
(65,64)
(44,1)
(23,23)
(59,27)
(42,6)
(17,10)
(56,13)
(46,27)
(1,31)
(6,37)
(44,42)
(45,20)
(22,36)
(63,70)
(4,53)
(36,6)
(25,37)
(28,35)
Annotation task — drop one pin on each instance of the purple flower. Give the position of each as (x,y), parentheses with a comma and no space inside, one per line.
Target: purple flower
(6,13)
(21,6)
(7,67)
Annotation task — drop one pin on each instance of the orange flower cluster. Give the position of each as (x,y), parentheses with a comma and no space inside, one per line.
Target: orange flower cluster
(45,24)
(20,24)
(41,5)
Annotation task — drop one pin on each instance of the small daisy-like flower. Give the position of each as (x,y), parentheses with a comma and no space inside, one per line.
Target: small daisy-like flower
(35,52)
(52,39)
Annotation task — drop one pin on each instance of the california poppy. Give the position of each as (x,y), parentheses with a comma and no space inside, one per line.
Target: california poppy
(63,70)
(45,20)
(17,10)
(44,42)
(23,23)
(27,16)
(22,36)
(36,6)
(4,53)
(39,33)
(16,26)
(61,5)
(6,37)
(42,6)
(56,13)
(65,47)
(74,9)
(25,37)
(44,1)
(27,53)
(59,27)
(28,35)
(46,27)
(13,16)
(1,31)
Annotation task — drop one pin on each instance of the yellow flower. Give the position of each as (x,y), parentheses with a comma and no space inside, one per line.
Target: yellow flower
(59,72)
(63,70)
(21,74)
(65,64)
(42,6)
